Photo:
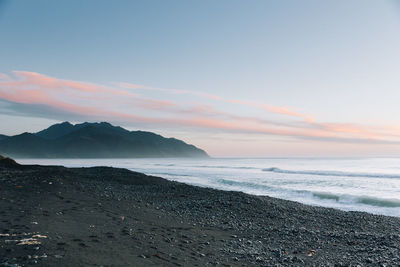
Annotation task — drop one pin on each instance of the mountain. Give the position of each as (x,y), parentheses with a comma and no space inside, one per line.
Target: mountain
(2,136)
(56,130)
(94,140)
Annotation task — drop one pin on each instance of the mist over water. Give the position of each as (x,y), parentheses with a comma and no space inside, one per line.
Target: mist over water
(357,184)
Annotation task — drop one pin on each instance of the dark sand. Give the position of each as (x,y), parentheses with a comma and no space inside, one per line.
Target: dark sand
(115,217)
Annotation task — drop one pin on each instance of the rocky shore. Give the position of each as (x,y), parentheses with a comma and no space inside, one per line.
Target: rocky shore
(56,216)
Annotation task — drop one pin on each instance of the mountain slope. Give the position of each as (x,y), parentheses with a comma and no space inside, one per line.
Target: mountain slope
(56,130)
(95,140)
(25,144)
(2,136)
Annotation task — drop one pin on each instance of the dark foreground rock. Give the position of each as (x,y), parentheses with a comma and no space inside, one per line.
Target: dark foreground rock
(56,216)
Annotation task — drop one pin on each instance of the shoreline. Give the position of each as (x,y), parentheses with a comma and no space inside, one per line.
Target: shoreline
(353,190)
(116,217)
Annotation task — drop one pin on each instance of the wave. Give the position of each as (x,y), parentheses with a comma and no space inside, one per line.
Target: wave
(171,174)
(245,184)
(326,196)
(342,198)
(380,202)
(225,167)
(366,200)
(333,173)
(209,166)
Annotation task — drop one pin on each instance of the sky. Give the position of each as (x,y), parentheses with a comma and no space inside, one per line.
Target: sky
(236,78)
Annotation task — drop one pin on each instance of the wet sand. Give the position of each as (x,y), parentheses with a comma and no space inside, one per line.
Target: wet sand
(56,216)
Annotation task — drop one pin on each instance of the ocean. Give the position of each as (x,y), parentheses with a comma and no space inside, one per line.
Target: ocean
(351,184)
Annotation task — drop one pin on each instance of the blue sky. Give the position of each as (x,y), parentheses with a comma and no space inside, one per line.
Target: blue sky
(333,62)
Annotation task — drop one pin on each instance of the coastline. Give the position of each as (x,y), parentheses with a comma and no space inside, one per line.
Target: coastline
(116,217)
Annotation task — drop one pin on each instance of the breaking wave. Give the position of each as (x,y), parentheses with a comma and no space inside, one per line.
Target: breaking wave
(226,167)
(366,200)
(333,173)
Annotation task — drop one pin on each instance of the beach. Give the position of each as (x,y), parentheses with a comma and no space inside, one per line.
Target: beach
(102,216)
(351,184)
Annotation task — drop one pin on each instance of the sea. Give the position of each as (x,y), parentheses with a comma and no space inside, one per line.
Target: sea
(351,184)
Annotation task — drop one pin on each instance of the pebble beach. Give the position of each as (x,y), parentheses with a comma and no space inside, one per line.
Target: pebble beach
(102,216)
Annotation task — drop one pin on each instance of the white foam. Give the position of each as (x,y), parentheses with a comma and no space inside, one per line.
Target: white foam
(371,185)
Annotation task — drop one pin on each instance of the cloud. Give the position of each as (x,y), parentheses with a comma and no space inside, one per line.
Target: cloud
(273,109)
(170,91)
(37,110)
(39,95)
(32,87)
(26,78)
(3,76)
(289,112)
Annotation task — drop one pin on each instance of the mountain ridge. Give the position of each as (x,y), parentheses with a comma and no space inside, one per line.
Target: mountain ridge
(95,140)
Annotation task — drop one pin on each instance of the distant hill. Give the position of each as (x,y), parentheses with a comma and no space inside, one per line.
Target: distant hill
(2,136)
(94,140)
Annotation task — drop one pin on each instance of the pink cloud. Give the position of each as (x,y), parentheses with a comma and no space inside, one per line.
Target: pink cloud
(26,81)
(287,111)
(43,81)
(98,101)
(3,76)
(273,109)
(132,86)
(41,97)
